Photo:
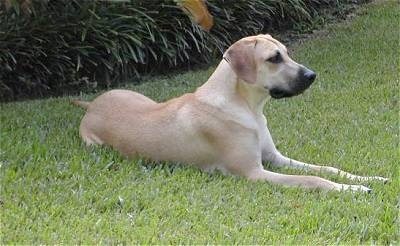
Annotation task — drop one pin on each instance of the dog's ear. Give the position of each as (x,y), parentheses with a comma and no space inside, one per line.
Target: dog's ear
(240,57)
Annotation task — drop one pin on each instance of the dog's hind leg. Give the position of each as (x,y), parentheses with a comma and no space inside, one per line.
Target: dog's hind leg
(87,135)
(90,138)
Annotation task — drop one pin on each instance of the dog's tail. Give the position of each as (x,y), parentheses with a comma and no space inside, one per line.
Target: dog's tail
(80,103)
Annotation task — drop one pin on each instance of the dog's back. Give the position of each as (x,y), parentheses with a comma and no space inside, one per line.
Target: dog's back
(136,125)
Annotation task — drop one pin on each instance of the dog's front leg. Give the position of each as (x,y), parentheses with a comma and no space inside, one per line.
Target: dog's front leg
(312,182)
(272,155)
(280,160)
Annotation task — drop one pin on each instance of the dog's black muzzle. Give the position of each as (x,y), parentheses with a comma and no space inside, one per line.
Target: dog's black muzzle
(303,80)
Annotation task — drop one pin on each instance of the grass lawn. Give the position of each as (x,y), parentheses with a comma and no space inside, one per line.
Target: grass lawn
(55,190)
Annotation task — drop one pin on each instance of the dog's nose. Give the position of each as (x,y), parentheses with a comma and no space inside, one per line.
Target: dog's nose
(309,75)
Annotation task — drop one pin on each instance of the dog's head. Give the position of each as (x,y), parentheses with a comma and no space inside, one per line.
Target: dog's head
(264,62)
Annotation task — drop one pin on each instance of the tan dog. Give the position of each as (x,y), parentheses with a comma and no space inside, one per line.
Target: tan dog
(221,125)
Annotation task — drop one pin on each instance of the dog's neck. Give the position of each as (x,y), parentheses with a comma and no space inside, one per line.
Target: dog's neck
(230,88)
(255,97)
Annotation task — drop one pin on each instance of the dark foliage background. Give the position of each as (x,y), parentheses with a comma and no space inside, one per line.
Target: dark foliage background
(59,46)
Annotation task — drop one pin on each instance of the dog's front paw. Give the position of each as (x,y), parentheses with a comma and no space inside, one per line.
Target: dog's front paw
(384,180)
(372,178)
(361,188)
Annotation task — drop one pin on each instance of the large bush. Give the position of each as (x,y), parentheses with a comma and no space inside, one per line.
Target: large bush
(68,44)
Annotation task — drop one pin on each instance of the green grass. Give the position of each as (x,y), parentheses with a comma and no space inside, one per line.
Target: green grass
(54,190)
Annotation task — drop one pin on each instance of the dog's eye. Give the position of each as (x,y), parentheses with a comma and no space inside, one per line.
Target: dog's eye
(277,58)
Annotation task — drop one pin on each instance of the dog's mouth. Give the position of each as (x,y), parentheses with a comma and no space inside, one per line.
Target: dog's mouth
(279,93)
(304,79)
